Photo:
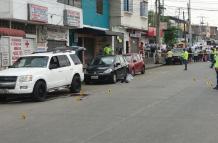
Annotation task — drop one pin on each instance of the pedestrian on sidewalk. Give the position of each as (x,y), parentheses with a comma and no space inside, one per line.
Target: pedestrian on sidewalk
(185,58)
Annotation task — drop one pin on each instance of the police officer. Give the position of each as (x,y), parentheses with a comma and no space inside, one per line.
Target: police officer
(212,57)
(108,50)
(169,57)
(216,69)
(185,58)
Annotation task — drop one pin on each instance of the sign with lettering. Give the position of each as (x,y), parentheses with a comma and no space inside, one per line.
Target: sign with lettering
(72,18)
(16,48)
(38,13)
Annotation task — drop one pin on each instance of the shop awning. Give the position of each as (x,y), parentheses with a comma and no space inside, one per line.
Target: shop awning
(11,32)
(99,32)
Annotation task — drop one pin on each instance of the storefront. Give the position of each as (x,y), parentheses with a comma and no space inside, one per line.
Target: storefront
(14,44)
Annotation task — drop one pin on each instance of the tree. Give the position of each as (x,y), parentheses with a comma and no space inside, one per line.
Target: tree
(170,36)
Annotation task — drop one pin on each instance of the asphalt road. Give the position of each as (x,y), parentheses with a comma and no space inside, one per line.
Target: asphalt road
(166,105)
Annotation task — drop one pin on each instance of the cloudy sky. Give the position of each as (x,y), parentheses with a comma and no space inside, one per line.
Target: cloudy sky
(208,9)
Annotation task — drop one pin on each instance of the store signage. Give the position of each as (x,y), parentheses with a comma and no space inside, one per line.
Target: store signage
(72,18)
(58,34)
(38,13)
(135,35)
(16,48)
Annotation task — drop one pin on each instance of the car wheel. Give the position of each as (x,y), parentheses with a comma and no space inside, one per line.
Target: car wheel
(114,78)
(75,86)
(39,91)
(143,70)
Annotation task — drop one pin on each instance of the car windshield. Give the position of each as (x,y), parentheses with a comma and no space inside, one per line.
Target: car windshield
(32,61)
(128,58)
(104,61)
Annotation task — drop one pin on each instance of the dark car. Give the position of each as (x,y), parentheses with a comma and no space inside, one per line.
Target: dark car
(136,63)
(106,68)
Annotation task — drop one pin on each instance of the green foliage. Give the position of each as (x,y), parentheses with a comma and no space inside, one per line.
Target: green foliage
(170,36)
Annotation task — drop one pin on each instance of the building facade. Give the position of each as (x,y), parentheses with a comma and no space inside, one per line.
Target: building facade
(131,18)
(95,34)
(35,25)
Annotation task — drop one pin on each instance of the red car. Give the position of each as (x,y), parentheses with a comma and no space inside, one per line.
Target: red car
(136,63)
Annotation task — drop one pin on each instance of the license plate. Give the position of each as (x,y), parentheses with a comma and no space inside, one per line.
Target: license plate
(3,91)
(94,77)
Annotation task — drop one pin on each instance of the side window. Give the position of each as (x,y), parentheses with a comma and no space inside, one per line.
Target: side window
(54,64)
(75,59)
(63,61)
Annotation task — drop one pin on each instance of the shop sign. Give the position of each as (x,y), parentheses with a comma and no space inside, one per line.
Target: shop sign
(38,13)
(16,48)
(57,34)
(135,35)
(27,47)
(72,18)
(5,59)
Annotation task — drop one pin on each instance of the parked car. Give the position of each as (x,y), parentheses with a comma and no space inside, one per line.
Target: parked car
(106,68)
(136,63)
(177,55)
(39,73)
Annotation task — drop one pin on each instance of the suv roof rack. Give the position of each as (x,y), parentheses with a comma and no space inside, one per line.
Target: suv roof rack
(63,49)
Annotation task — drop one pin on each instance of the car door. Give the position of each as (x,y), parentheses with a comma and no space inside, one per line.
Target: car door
(65,70)
(118,67)
(123,66)
(140,62)
(54,79)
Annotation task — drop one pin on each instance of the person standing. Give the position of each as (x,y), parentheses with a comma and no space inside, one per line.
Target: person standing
(185,58)
(212,57)
(108,50)
(196,55)
(216,69)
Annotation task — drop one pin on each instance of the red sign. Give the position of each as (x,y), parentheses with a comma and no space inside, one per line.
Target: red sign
(16,50)
(38,13)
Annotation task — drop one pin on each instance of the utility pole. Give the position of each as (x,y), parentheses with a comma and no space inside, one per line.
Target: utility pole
(158,11)
(184,26)
(189,22)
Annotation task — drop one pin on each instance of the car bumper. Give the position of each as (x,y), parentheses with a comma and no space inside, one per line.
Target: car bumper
(20,88)
(99,77)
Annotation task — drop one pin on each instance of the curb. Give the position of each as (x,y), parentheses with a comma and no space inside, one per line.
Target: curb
(153,67)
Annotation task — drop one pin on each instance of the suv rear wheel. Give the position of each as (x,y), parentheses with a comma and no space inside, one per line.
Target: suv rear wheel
(39,91)
(75,86)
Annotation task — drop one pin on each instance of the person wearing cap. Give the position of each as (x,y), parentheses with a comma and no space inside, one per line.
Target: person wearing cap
(185,58)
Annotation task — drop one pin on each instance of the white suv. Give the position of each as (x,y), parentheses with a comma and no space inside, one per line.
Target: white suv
(39,73)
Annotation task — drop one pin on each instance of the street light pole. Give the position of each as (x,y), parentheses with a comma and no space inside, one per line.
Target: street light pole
(190,26)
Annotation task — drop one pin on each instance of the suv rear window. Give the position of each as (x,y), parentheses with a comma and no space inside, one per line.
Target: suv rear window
(75,59)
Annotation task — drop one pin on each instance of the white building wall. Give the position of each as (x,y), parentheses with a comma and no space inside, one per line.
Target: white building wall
(19,10)
(5,8)
(134,20)
(126,19)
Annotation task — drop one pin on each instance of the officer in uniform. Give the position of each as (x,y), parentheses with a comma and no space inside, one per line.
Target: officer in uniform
(185,58)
